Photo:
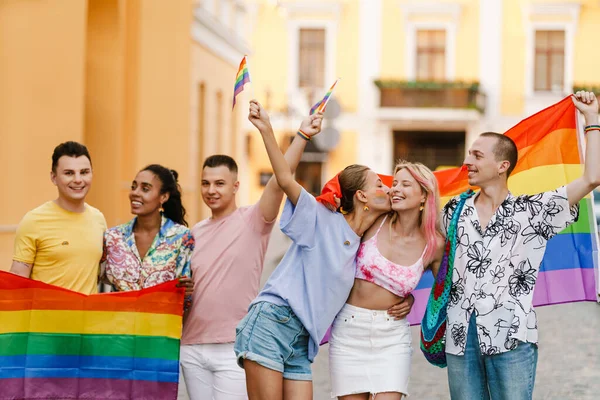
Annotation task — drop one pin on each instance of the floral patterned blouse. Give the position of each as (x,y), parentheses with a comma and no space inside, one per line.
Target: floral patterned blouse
(167,258)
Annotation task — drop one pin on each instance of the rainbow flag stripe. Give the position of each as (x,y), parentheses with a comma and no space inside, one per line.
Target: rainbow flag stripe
(549,157)
(242,77)
(59,344)
(320,106)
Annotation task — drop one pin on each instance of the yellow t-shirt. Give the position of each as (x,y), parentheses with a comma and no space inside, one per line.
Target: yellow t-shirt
(64,247)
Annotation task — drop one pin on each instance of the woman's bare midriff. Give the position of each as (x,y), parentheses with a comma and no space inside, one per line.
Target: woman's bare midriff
(368,295)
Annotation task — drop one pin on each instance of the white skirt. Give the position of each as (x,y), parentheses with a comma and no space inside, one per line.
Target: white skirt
(369,352)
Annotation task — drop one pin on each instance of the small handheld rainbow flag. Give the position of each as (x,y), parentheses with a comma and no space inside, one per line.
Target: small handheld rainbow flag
(59,344)
(320,106)
(242,77)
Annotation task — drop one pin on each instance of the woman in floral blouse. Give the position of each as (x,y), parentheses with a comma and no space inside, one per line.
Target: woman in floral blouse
(156,245)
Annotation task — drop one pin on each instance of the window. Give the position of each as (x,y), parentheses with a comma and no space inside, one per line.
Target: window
(431,55)
(549,72)
(311,58)
(432,148)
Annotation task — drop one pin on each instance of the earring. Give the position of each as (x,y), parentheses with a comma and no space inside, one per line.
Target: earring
(161,209)
(422,207)
(366,208)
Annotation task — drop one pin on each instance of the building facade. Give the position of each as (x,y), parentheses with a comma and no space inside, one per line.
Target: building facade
(137,81)
(419,79)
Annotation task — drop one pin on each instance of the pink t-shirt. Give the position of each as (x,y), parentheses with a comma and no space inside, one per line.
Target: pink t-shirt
(226,266)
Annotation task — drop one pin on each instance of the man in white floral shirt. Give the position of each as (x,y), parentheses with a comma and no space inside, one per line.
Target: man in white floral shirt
(491,334)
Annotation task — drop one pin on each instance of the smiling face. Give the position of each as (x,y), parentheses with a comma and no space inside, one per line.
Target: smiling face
(145,197)
(73,178)
(375,193)
(219,186)
(406,193)
(481,163)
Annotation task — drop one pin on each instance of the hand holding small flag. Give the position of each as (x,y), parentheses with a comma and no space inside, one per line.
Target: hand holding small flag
(311,125)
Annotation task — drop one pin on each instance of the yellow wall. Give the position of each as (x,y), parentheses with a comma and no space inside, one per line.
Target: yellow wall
(586,62)
(393,57)
(586,68)
(346,91)
(467,45)
(220,132)
(113,74)
(512,101)
(137,95)
(393,64)
(268,62)
(42,66)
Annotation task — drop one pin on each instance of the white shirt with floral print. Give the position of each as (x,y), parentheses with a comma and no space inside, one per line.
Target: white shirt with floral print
(495,270)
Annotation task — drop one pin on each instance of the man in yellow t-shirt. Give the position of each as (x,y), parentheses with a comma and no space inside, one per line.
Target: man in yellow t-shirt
(60,242)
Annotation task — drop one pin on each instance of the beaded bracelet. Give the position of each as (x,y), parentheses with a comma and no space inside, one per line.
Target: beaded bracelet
(591,128)
(303,135)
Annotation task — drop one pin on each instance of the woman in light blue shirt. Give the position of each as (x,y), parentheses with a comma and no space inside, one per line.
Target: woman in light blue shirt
(279,337)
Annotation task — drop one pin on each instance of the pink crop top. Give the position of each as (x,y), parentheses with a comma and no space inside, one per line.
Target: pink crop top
(373,267)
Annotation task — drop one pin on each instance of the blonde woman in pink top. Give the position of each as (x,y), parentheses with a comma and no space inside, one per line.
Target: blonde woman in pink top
(370,351)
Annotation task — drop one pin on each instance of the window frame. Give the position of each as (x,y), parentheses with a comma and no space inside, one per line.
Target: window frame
(450,47)
(549,52)
(431,51)
(324,83)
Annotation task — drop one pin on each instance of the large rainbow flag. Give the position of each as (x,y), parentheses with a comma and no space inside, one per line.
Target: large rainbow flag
(59,344)
(549,156)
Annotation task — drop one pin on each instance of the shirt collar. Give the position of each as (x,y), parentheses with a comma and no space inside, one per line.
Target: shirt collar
(167,229)
(471,199)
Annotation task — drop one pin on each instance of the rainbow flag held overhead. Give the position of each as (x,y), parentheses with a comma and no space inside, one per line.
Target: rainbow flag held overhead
(242,77)
(59,344)
(320,106)
(549,157)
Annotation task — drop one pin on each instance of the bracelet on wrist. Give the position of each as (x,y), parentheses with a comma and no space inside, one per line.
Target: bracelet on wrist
(590,128)
(303,135)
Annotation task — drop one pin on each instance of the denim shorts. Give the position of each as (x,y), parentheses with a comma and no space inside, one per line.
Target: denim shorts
(274,337)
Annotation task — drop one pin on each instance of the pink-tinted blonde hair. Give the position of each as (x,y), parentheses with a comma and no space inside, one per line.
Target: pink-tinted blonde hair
(430,217)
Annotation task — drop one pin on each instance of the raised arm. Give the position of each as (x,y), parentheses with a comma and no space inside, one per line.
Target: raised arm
(283,166)
(587,104)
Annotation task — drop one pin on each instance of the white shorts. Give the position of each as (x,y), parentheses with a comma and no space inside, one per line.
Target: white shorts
(369,352)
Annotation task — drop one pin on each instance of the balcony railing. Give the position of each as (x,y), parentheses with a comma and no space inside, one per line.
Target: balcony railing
(430,94)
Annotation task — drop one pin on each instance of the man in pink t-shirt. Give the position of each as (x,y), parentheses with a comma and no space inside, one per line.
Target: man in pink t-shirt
(226,267)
